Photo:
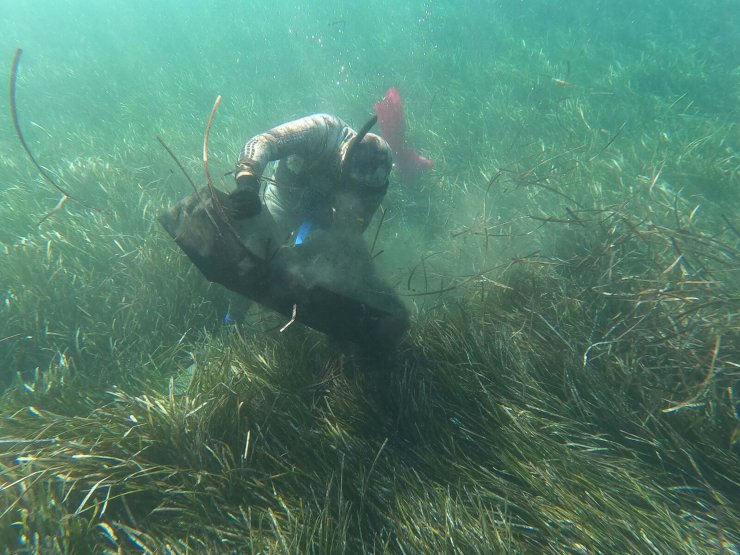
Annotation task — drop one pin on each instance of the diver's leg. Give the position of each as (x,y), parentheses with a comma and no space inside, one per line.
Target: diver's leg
(237,308)
(230,307)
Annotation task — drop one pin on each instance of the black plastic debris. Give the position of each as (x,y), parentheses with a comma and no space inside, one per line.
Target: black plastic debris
(328,282)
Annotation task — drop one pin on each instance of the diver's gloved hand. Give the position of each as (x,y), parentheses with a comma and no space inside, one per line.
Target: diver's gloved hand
(245,202)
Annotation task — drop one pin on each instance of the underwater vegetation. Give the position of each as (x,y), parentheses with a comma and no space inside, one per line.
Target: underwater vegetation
(536,414)
(569,383)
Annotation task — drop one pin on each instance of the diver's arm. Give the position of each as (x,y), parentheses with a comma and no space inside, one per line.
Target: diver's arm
(310,137)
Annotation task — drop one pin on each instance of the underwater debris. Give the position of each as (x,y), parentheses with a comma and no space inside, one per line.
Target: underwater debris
(44,173)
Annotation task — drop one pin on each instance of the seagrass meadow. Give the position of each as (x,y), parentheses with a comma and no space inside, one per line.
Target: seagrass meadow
(569,382)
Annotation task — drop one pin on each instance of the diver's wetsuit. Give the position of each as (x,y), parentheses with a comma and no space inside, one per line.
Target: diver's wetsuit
(308,179)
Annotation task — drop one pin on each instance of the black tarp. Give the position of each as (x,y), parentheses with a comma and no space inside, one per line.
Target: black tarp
(328,281)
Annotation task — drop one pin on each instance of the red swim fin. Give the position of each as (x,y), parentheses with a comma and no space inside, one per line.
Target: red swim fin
(409,163)
(391,118)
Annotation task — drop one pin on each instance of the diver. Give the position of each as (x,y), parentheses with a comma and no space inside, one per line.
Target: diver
(303,254)
(327,175)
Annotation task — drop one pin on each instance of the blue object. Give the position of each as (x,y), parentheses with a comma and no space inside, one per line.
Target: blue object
(300,236)
(228,320)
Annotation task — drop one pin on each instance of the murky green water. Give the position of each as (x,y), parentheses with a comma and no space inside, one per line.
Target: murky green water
(542,119)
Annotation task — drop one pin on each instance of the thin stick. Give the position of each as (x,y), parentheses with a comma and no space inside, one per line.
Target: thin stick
(179,165)
(377,231)
(411,275)
(14,114)
(45,174)
(54,210)
(187,175)
(292,318)
(211,188)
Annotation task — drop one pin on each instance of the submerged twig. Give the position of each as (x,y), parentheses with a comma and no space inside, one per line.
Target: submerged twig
(187,175)
(179,165)
(45,174)
(54,210)
(377,231)
(211,188)
(14,114)
(292,318)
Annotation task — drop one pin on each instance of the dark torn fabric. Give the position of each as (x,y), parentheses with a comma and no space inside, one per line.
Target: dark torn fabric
(330,278)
